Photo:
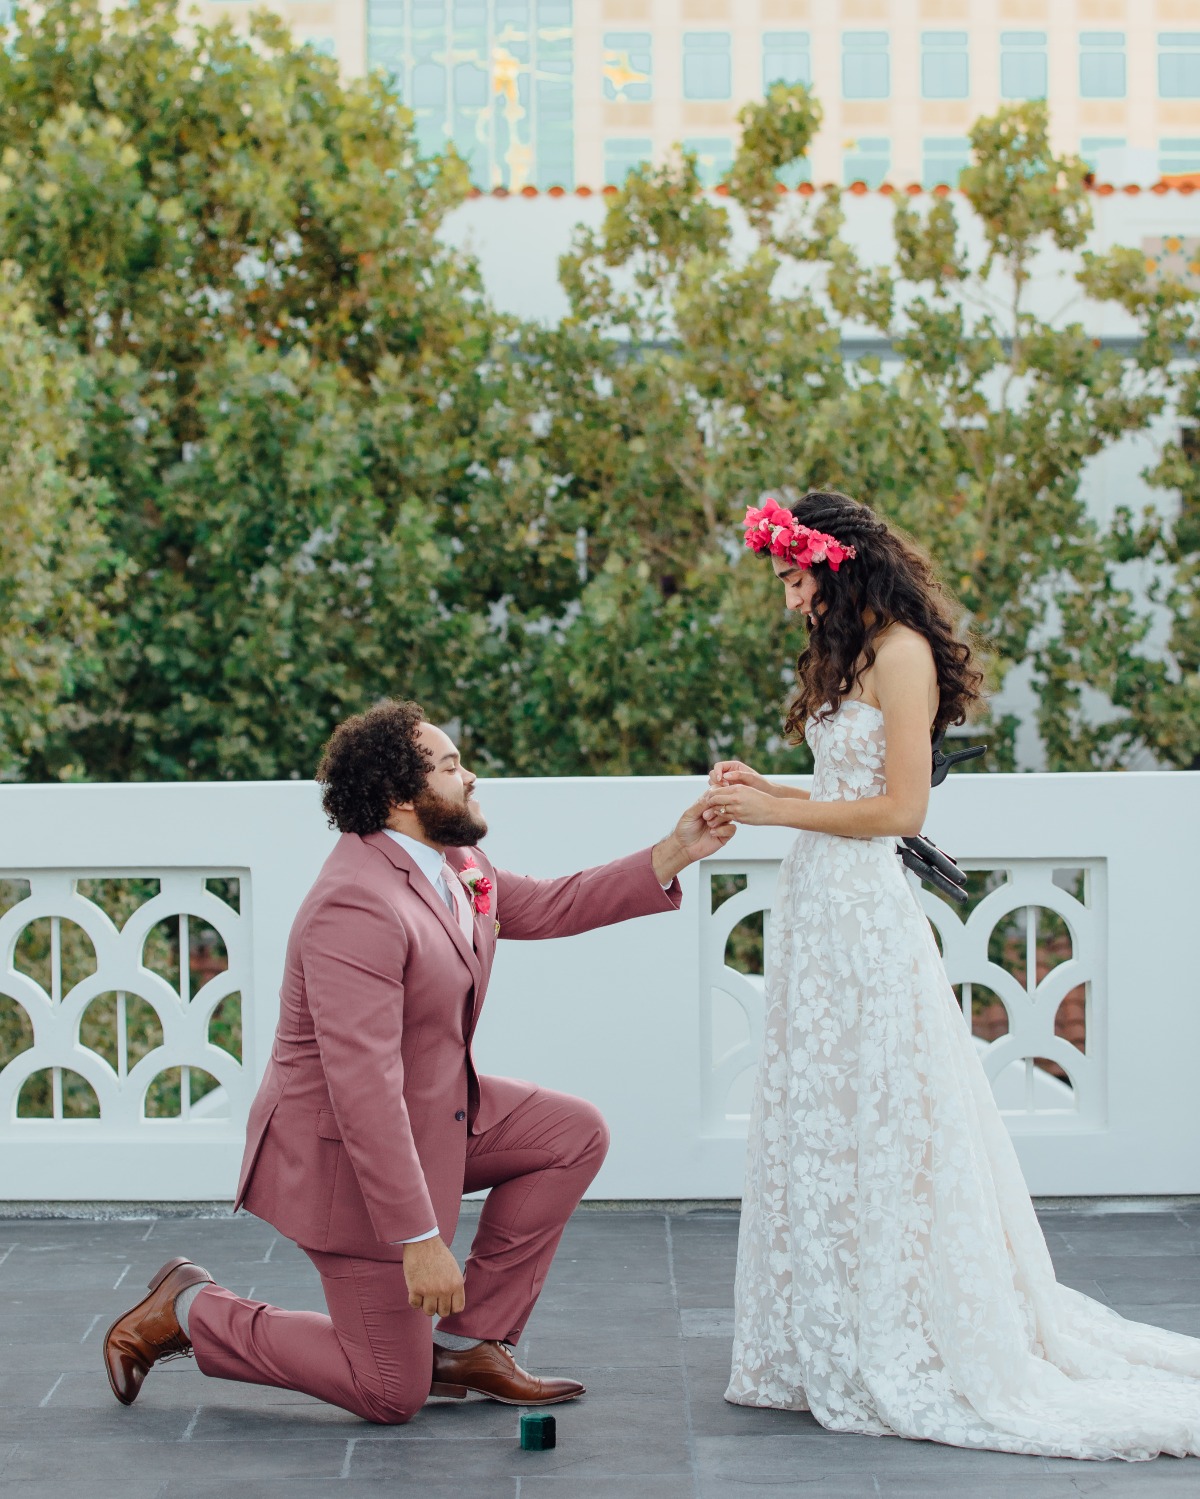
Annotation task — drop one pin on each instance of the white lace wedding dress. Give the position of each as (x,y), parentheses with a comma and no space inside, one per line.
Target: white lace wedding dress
(891,1275)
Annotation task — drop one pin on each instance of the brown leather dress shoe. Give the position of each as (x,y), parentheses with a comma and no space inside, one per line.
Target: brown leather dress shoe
(150,1332)
(491,1369)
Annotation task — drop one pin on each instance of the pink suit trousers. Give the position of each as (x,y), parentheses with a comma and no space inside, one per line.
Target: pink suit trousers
(371,1121)
(373,1354)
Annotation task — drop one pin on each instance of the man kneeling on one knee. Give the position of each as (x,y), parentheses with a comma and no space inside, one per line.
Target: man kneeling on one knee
(371,1122)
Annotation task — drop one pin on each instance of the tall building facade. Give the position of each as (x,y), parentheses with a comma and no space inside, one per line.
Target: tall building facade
(574,92)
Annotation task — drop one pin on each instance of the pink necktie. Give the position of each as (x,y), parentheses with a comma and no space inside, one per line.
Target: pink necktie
(462,906)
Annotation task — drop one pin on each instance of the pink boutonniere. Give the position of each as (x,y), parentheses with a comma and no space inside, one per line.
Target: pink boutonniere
(478,884)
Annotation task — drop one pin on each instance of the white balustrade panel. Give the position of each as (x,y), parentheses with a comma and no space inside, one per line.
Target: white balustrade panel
(1031,1095)
(1075,963)
(56,1012)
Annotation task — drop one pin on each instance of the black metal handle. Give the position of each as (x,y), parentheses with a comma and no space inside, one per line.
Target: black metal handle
(928,851)
(943,763)
(931,876)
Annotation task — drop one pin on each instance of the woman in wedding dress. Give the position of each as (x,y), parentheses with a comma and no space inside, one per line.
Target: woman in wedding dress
(892,1277)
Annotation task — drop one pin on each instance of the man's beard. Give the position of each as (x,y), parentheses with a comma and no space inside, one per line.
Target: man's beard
(448,824)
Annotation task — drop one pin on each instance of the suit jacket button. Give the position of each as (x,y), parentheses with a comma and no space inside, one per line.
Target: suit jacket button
(461,1115)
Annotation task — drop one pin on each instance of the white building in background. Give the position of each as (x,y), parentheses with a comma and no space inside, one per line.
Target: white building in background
(571,93)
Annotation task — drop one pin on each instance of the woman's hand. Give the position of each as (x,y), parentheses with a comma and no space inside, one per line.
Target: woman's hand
(738,773)
(742,804)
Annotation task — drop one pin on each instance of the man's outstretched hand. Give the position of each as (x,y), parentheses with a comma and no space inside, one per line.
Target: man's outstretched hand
(690,840)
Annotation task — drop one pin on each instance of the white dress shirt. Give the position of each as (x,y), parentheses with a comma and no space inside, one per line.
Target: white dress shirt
(429,861)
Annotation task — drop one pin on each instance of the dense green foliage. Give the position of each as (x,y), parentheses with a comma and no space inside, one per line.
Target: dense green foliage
(268,454)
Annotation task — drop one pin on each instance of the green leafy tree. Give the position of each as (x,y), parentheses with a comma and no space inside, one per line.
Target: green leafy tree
(1169,696)
(243,250)
(57,570)
(995,411)
(330,471)
(702,361)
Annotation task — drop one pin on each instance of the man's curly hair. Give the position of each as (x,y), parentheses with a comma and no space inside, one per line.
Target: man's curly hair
(373,761)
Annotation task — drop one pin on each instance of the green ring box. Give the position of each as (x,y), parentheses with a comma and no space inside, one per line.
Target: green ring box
(537,1433)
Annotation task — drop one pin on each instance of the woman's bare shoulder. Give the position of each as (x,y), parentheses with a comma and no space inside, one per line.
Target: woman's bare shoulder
(900,645)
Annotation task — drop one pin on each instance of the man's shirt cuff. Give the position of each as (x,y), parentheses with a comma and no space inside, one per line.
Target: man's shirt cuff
(420,1239)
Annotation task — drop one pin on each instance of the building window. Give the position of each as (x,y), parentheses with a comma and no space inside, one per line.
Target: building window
(1176,157)
(428,87)
(622,154)
(795,173)
(552,67)
(1091,146)
(386,36)
(707,65)
(1023,64)
(787,58)
(865,72)
(627,66)
(943,157)
(945,73)
(1102,65)
(1179,64)
(325,45)
(496,77)
(714,157)
(867,160)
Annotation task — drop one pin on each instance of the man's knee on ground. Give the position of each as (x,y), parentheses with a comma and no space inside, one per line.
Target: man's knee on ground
(392,1407)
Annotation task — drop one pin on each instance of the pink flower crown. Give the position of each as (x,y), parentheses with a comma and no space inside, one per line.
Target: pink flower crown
(776,530)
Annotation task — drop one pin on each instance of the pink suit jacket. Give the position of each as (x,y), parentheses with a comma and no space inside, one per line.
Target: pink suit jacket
(357,1136)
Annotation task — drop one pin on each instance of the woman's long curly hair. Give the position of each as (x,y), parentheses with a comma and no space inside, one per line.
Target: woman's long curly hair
(889,581)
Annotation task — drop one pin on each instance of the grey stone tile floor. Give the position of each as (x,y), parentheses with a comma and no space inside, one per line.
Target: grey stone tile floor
(638,1305)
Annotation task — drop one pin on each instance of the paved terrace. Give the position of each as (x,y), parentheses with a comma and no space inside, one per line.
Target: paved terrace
(637,1305)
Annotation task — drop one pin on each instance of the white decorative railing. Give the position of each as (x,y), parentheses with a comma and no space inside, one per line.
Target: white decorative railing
(142,931)
(1039,1077)
(112,1089)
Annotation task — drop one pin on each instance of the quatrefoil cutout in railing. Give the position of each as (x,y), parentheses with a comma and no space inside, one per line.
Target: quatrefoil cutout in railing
(120,998)
(1025,957)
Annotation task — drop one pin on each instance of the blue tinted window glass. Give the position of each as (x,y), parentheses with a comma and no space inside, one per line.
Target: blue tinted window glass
(428,89)
(470,85)
(1024,69)
(945,73)
(1179,64)
(795,172)
(1091,146)
(868,160)
(714,157)
(1102,65)
(386,36)
(622,155)
(943,158)
(865,72)
(554,95)
(787,58)
(1177,156)
(707,65)
(627,65)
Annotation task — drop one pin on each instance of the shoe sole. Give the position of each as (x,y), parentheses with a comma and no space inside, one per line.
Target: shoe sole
(461,1391)
(152,1285)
